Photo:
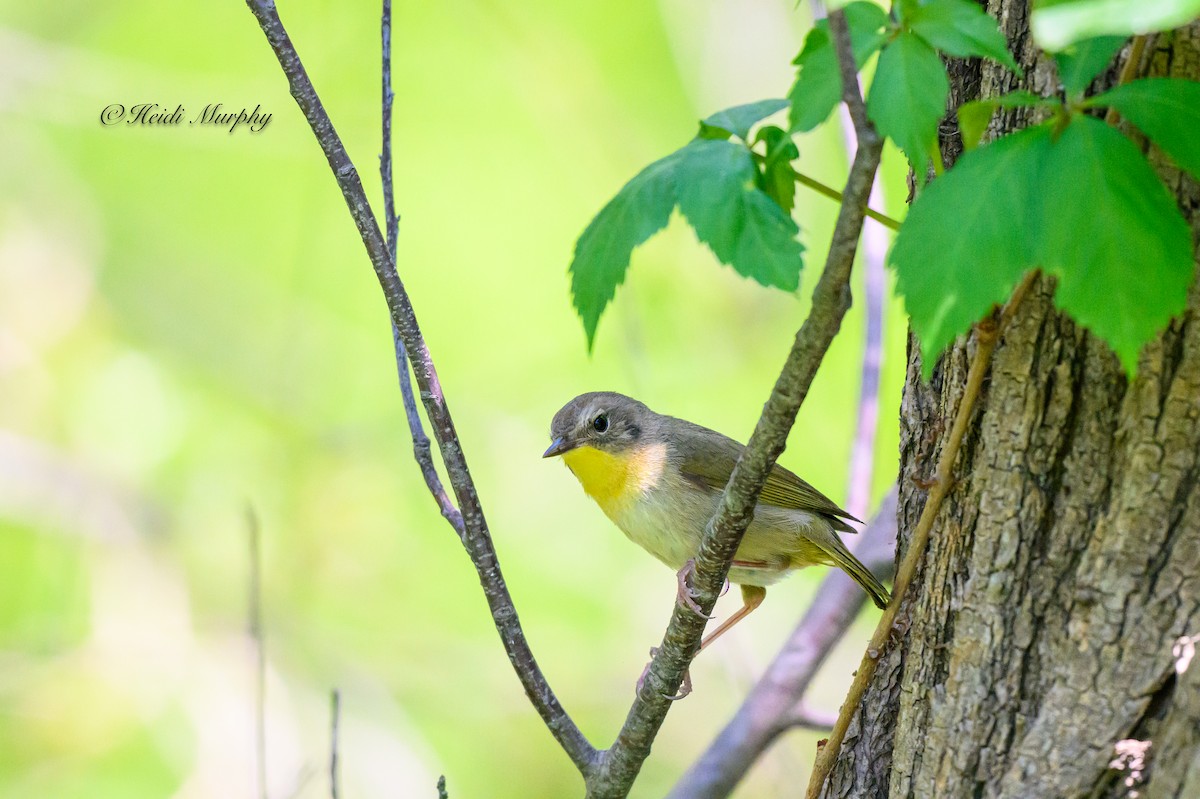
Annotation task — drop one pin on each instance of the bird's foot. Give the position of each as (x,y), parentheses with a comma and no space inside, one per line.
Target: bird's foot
(684,595)
(684,689)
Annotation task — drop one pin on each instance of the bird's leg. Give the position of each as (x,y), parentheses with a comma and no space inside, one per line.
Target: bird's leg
(683,594)
(752,597)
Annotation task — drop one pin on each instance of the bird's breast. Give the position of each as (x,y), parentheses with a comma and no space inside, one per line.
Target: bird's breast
(646,498)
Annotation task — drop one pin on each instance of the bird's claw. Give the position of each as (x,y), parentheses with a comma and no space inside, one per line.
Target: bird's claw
(684,689)
(684,593)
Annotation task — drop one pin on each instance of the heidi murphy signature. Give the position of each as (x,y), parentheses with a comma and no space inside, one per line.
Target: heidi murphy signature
(151,114)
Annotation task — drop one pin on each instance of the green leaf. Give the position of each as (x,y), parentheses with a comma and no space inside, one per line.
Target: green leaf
(1058,23)
(718,194)
(778,178)
(1114,238)
(1165,109)
(973,117)
(961,28)
(738,120)
(908,97)
(1085,207)
(1080,63)
(818,86)
(905,8)
(640,209)
(965,242)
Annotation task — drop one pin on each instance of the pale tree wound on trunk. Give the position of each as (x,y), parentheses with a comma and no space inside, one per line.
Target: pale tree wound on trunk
(1048,649)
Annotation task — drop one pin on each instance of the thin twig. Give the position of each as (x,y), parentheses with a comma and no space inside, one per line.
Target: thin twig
(304,775)
(620,764)
(422,452)
(987,334)
(772,705)
(804,717)
(441,788)
(475,535)
(335,712)
(260,651)
(834,194)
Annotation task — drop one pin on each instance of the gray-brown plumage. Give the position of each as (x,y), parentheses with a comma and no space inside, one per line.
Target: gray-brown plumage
(660,478)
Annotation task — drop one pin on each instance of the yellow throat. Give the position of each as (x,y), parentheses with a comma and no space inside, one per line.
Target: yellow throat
(615,480)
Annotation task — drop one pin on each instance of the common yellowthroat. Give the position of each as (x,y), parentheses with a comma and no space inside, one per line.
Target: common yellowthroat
(660,478)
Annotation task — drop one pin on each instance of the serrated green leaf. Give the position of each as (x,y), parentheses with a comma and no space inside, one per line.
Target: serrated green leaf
(965,242)
(1058,23)
(719,196)
(1123,258)
(961,28)
(738,120)
(908,97)
(818,86)
(1080,63)
(640,209)
(1165,109)
(973,117)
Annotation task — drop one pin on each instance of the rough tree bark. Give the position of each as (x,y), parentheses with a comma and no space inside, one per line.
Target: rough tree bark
(1065,564)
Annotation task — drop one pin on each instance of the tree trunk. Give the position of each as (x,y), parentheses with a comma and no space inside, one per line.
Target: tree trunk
(1044,646)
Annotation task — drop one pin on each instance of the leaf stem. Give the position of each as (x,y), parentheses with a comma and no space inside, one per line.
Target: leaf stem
(834,194)
(1129,71)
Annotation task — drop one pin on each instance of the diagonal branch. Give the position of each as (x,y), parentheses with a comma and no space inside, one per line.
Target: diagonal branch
(774,704)
(620,764)
(474,533)
(421,449)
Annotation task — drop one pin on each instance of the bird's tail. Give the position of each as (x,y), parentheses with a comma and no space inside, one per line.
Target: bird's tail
(842,558)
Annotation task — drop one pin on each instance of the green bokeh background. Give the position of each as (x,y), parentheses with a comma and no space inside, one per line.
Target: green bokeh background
(189,327)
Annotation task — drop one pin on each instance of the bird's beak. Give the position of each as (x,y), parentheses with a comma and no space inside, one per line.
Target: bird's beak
(559,446)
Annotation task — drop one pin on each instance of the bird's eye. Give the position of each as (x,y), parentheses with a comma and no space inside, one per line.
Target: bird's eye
(600,424)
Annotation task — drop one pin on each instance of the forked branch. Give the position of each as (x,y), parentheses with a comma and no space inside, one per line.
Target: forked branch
(474,531)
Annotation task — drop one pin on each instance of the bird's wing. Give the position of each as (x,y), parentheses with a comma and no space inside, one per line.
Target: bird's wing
(783,488)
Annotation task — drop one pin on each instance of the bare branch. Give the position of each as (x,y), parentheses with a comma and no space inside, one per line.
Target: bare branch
(804,717)
(391,220)
(335,713)
(260,651)
(851,93)
(620,764)
(862,456)
(474,534)
(775,702)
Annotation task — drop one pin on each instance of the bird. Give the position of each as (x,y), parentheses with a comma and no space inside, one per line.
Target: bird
(659,479)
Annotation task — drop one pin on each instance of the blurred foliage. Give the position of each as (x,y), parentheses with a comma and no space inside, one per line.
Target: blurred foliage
(189,324)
